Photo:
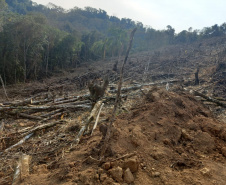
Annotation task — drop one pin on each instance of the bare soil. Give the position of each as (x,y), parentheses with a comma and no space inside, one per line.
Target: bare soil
(163,137)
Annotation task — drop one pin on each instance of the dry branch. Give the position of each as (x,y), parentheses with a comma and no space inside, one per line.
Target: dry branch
(52,113)
(20,142)
(40,102)
(30,101)
(52,116)
(208,98)
(23,115)
(97,119)
(22,130)
(117,101)
(43,108)
(136,87)
(40,127)
(93,114)
(124,156)
(20,103)
(72,100)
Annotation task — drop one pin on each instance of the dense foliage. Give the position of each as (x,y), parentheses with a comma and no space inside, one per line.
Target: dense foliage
(36,41)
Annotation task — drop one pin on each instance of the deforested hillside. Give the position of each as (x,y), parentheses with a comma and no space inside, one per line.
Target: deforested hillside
(167,129)
(84,103)
(37,42)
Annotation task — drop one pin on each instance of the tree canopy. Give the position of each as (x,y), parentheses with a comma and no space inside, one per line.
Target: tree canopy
(36,40)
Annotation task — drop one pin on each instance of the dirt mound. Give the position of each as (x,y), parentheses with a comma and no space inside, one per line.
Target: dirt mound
(166,138)
(175,136)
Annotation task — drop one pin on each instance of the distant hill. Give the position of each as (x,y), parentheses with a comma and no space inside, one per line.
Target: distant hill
(37,40)
(87,19)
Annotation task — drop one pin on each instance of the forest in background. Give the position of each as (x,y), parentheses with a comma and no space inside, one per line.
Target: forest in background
(37,41)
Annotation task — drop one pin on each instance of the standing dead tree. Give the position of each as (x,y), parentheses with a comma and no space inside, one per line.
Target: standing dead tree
(117,101)
(3,86)
(197,76)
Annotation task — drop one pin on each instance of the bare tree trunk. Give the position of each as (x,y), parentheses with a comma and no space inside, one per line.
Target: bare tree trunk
(4,64)
(197,77)
(25,65)
(15,76)
(104,52)
(47,59)
(4,88)
(117,101)
(115,67)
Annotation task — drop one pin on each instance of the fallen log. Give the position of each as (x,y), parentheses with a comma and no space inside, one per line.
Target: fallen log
(22,131)
(30,101)
(72,100)
(220,98)
(51,117)
(93,114)
(20,103)
(43,108)
(208,98)
(136,87)
(23,115)
(40,127)
(81,102)
(51,113)
(72,106)
(97,119)
(41,102)
(20,142)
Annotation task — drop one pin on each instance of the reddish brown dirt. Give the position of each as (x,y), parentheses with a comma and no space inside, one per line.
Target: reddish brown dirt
(177,140)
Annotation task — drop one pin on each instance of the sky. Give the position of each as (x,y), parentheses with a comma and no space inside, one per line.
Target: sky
(180,14)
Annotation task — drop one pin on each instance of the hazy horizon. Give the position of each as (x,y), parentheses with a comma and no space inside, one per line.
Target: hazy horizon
(181,15)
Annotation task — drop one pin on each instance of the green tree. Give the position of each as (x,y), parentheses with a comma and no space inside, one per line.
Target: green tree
(23,41)
(88,40)
(3,8)
(170,32)
(117,39)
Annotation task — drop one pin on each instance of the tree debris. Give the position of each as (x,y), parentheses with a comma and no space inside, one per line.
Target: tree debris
(22,169)
(20,142)
(93,114)
(108,134)
(208,98)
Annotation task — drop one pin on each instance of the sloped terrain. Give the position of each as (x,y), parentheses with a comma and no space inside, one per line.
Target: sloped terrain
(159,136)
(175,138)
